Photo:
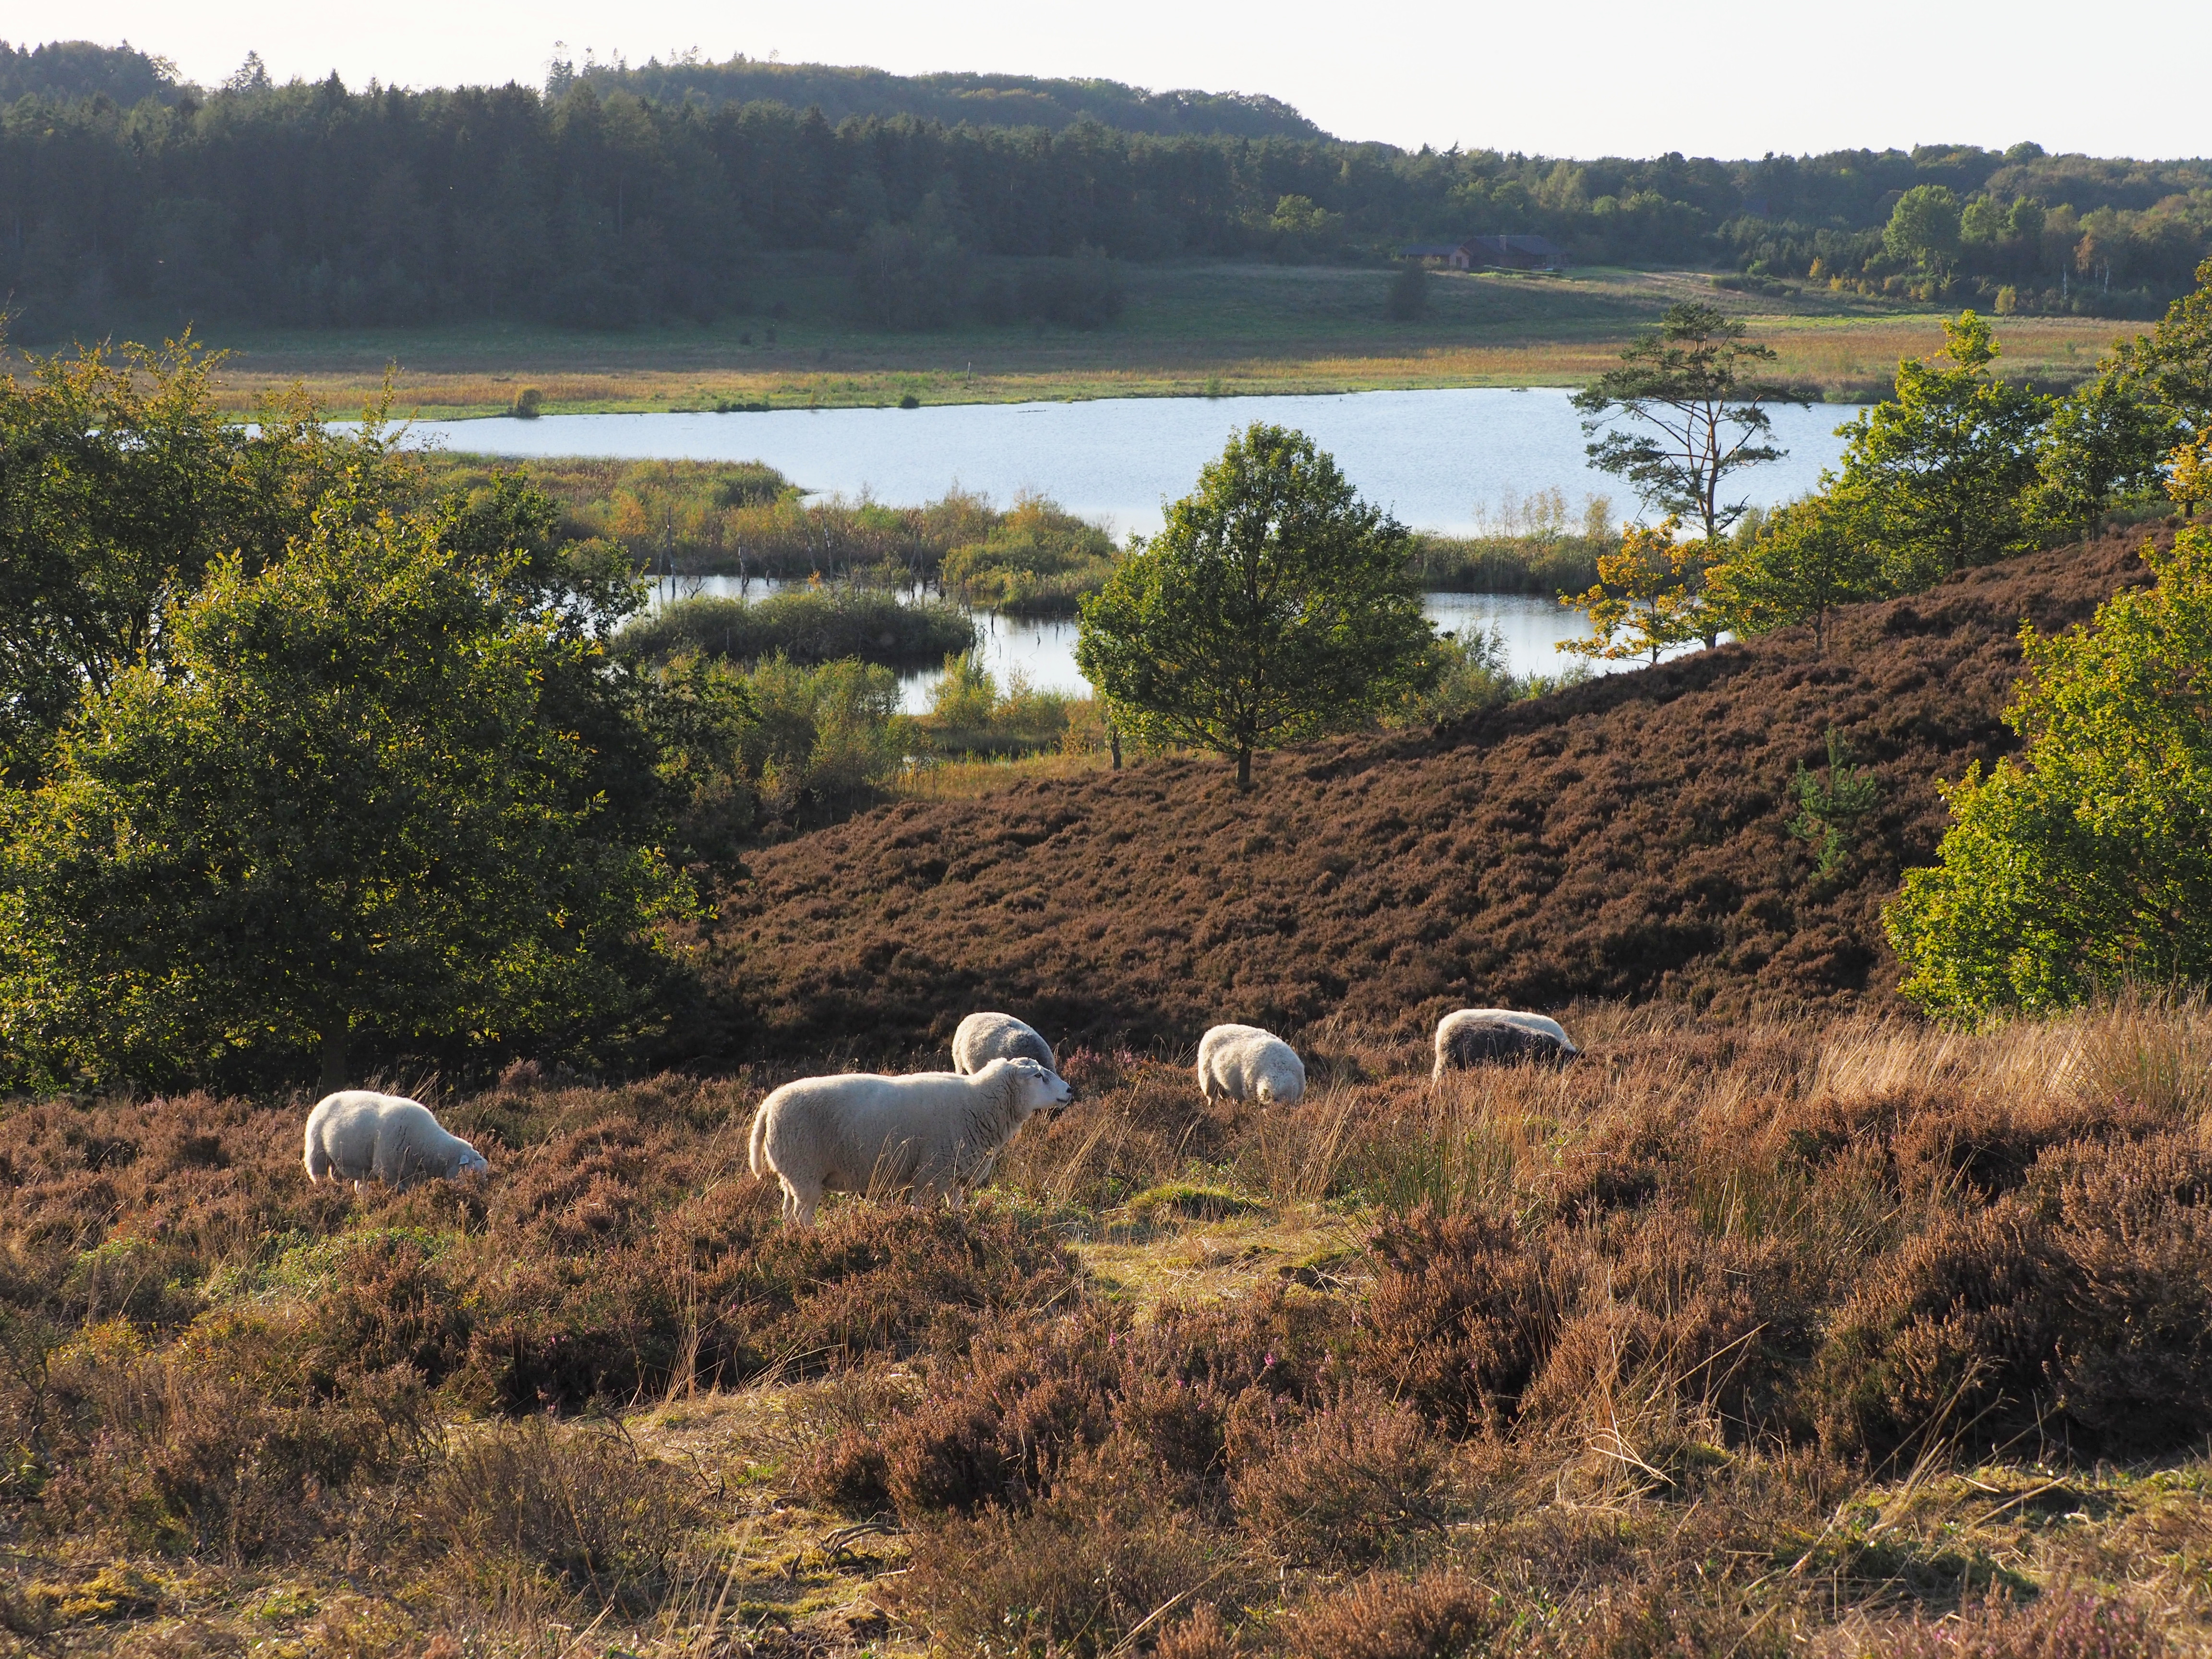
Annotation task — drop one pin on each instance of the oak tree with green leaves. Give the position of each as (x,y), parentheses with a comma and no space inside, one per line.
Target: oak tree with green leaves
(383,791)
(2085,863)
(120,482)
(1948,466)
(1805,560)
(1273,605)
(1923,229)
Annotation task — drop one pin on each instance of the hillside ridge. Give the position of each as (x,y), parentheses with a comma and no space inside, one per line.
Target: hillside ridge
(1626,838)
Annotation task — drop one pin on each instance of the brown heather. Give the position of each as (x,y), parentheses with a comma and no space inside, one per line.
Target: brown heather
(1780,1320)
(1734,1336)
(1626,838)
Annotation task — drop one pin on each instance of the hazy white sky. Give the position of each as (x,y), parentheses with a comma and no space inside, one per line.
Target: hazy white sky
(1603,77)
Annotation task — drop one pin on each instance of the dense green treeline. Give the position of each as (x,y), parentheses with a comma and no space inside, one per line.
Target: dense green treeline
(312,204)
(993,100)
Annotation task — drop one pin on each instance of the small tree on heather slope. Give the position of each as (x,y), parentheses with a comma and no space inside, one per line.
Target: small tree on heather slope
(1947,466)
(1273,605)
(1806,559)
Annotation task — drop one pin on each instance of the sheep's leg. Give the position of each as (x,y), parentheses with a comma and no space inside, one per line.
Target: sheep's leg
(799,1202)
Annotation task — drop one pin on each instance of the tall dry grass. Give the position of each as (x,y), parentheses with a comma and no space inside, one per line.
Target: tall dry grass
(1786,1333)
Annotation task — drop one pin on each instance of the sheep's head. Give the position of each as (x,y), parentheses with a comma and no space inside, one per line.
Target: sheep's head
(1282,1085)
(471,1159)
(1036,1089)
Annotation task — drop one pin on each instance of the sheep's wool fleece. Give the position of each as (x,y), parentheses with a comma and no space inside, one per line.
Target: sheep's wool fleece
(983,1038)
(358,1135)
(1242,1062)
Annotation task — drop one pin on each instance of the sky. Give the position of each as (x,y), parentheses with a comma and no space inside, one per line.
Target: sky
(1596,78)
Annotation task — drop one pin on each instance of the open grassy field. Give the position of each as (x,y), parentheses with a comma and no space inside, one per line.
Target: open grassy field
(1189,329)
(1841,1337)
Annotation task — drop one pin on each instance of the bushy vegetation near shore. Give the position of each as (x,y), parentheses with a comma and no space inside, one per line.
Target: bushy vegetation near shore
(1728,1338)
(745,519)
(822,623)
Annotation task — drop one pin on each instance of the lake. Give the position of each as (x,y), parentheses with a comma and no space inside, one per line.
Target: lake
(1437,459)
(1440,460)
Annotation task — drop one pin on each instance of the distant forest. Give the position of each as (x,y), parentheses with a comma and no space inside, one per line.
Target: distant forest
(615,196)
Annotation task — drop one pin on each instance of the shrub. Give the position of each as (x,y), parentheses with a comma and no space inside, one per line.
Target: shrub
(995,1429)
(1036,559)
(742,1297)
(2081,864)
(1463,1314)
(1408,299)
(807,626)
(2061,1624)
(1440,1615)
(1076,1574)
(390,1302)
(531,1516)
(216,1449)
(2079,1307)
(1344,1485)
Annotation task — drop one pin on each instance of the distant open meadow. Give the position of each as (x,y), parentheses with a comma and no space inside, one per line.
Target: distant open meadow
(1188,330)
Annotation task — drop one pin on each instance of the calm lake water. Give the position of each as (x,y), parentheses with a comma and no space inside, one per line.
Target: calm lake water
(1440,460)
(1043,651)
(1437,459)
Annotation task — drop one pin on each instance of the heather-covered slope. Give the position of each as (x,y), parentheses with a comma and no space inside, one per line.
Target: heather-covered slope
(1627,838)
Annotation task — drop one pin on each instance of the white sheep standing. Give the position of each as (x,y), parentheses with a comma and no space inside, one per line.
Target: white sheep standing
(1242,1062)
(360,1135)
(928,1135)
(1476,1037)
(982,1038)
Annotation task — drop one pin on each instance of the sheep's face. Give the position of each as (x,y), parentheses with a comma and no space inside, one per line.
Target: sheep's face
(1040,1091)
(1285,1090)
(471,1159)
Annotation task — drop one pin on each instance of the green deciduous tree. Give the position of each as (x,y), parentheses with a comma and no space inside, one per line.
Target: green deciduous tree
(1273,606)
(2173,363)
(120,482)
(2104,443)
(1947,466)
(385,792)
(1924,228)
(1804,561)
(2087,862)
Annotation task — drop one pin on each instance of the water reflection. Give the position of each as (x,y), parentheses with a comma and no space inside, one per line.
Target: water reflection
(1042,651)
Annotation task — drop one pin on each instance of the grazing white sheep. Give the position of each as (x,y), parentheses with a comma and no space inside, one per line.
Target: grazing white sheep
(982,1038)
(1477,1036)
(927,1134)
(360,1135)
(1242,1062)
